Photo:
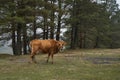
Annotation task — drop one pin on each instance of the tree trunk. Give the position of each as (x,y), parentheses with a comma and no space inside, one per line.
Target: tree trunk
(81,40)
(59,22)
(19,43)
(74,31)
(14,39)
(73,37)
(24,39)
(34,28)
(96,42)
(45,29)
(52,22)
(84,40)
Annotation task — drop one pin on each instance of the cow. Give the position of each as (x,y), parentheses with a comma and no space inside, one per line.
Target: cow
(49,46)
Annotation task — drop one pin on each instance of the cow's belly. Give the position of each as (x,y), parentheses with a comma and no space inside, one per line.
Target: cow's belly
(43,51)
(47,50)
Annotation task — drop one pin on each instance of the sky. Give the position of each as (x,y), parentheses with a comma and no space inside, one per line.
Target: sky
(118,2)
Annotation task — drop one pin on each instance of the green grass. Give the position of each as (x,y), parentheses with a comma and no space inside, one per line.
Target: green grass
(92,64)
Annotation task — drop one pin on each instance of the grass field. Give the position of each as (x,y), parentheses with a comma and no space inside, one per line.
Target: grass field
(92,64)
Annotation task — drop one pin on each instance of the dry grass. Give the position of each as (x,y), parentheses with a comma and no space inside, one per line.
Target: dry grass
(95,64)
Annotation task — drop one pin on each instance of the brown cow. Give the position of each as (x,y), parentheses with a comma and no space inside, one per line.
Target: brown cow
(46,46)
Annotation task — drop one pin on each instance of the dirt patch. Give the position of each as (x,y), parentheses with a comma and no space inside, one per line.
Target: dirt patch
(103,60)
(94,60)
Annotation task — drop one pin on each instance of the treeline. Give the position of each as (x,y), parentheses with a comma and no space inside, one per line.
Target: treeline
(88,23)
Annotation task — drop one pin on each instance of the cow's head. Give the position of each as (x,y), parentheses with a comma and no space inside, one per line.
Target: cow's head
(61,45)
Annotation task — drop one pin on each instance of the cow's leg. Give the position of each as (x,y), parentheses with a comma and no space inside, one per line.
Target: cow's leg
(48,57)
(33,53)
(52,57)
(33,58)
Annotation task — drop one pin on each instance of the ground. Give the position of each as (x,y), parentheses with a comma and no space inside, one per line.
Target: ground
(85,64)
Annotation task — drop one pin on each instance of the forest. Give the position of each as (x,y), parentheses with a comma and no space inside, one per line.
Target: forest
(83,24)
